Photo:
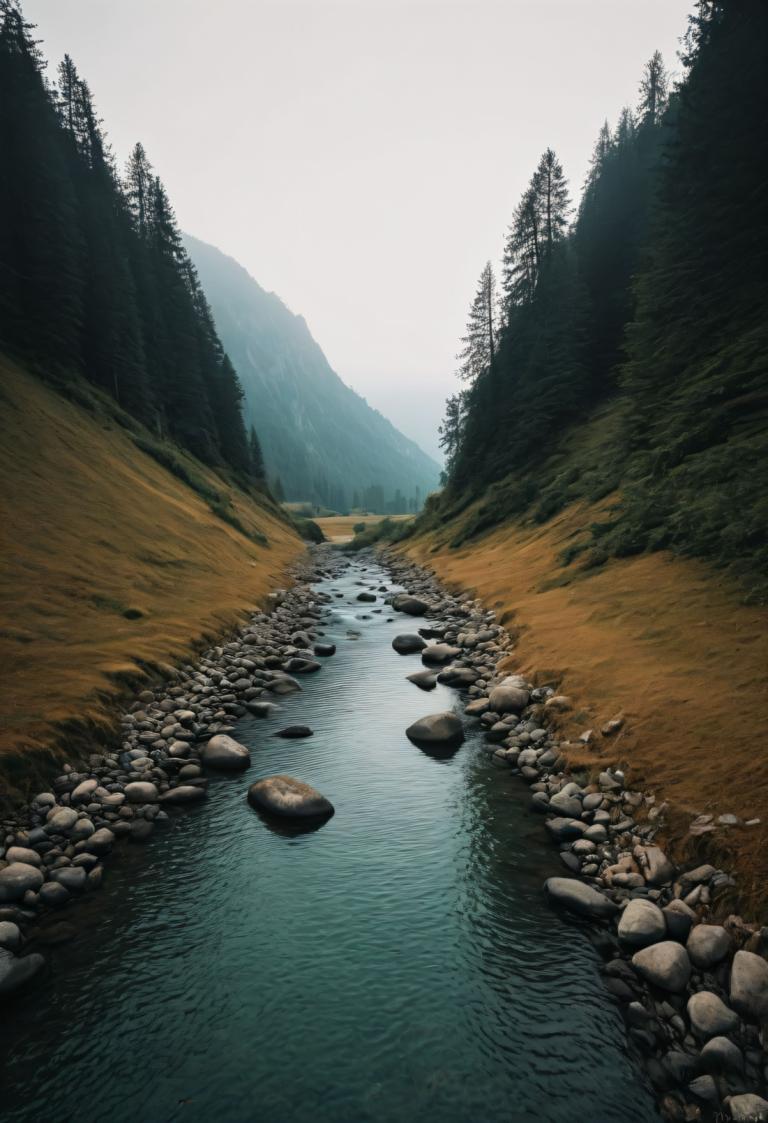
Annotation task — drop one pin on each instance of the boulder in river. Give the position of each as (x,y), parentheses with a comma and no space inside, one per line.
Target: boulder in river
(284,684)
(294,731)
(578,897)
(439,653)
(289,798)
(425,680)
(408,644)
(184,793)
(412,606)
(225,753)
(436,729)
(324,650)
(261,709)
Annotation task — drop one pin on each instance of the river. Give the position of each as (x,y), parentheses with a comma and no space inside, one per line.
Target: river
(399,963)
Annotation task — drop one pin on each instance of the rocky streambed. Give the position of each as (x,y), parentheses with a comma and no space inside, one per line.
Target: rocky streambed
(693,993)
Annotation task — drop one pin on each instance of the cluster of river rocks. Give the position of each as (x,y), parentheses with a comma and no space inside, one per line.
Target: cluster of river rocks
(53,851)
(694,992)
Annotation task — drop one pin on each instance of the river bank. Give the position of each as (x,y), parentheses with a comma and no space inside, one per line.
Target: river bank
(664,642)
(165,752)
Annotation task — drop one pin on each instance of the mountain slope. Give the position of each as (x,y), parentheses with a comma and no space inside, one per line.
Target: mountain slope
(111,563)
(319,436)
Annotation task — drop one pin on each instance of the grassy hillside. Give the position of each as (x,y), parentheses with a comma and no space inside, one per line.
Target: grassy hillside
(663,640)
(111,562)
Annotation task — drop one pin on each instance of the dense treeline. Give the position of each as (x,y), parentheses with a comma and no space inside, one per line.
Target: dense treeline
(650,298)
(94,279)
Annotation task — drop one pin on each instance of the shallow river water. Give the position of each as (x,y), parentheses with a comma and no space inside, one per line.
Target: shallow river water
(399,963)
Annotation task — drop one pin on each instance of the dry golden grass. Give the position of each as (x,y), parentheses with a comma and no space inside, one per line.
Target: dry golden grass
(338,528)
(94,528)
(664,641)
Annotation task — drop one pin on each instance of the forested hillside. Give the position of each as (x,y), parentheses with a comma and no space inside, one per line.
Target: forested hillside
(321,440)
(625,352)
(94,279)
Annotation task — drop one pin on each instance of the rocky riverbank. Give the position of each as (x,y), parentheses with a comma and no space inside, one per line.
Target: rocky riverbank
(694,992)
(54,851)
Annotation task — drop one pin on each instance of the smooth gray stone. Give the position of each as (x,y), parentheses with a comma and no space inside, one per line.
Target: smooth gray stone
(54,895)
(749,986)
(141,791)
(578,897)
(184,793)
(425,680)
(665,965)
(439,653)
(508,698)
(679,917)
(721,1055)
(225,753)
(709,1016)
(73,878)
(564,830)
(436,729)
(708,944)
(10,935)
(289,798)
(641,924)
(17,879)
(411,606)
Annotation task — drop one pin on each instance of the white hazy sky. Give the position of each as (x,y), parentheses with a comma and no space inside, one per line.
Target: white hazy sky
(361,159)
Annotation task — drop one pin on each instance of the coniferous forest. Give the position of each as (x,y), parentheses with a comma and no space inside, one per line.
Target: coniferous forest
(644,309)
(94,279)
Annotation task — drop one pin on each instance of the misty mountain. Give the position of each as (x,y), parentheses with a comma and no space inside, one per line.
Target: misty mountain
(321,439)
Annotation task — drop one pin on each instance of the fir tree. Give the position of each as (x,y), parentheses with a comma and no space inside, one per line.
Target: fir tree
(479,348)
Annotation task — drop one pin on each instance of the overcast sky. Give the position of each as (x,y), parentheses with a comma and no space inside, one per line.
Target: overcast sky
(361,159)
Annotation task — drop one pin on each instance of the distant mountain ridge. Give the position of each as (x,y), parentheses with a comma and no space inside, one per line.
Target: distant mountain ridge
(321,439)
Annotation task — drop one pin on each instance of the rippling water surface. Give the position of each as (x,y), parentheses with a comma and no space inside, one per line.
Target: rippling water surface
(397,964)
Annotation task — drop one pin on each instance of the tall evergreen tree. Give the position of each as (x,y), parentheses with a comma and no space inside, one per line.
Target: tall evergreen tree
(477,354)
(654,90)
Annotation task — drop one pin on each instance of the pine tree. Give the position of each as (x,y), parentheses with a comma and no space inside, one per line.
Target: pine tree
(41,273)
(654,90)
(539,223)
(479,349)
(138,183)
(452,429)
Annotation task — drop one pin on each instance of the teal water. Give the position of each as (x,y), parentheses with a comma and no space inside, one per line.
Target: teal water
(400,963)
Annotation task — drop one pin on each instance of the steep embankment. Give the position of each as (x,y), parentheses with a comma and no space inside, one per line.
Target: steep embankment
(664,641)
(110,562)
(321,438)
